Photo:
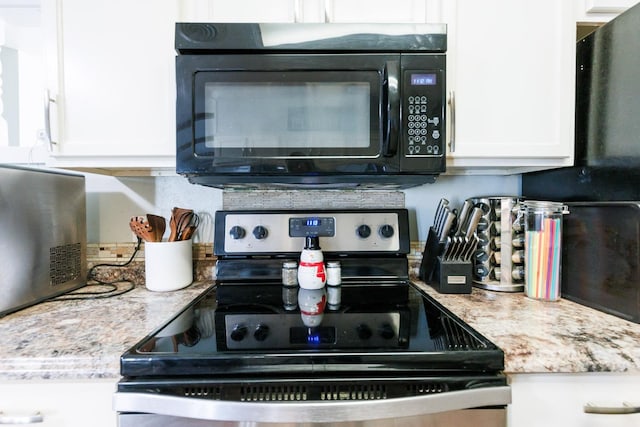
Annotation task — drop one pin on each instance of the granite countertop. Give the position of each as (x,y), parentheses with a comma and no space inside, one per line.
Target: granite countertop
(543,336)
(84,339)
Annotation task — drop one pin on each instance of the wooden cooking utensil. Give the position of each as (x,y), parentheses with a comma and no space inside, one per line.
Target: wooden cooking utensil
(158,225)
(180,219)
(141,228)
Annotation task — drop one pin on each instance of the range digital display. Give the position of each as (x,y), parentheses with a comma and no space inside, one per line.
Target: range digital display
(422,79)
(313,336)
(313,222)
(312,226)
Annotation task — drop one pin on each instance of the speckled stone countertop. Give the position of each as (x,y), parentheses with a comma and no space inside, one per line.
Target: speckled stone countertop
(84,339)
(541,336)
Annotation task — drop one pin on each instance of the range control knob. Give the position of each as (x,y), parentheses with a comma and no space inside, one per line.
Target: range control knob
(261,333)
(386,331)
(260,232)
(237,232)
(238,333)
(363,231)
(386,231)
(364,332)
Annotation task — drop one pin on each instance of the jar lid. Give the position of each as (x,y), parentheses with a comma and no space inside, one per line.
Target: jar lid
(543,206)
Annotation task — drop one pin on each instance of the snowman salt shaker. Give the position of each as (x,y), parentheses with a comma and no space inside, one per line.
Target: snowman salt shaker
(311,270)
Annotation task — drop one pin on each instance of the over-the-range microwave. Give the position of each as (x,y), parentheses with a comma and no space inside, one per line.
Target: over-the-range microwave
(310,105)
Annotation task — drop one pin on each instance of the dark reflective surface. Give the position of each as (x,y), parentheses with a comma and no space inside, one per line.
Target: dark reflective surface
(244,329)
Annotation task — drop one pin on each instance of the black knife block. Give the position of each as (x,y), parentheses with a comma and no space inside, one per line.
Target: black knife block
(452,277)
(445,276)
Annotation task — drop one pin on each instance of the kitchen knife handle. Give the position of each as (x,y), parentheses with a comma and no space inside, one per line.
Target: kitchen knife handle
(391,110)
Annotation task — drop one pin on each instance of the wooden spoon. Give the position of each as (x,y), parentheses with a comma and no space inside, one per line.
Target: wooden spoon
(180,218)
(158,226)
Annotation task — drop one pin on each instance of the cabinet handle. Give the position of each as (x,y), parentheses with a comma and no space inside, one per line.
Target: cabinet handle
(452,115)
(21,419)
(626,408)
(47,119)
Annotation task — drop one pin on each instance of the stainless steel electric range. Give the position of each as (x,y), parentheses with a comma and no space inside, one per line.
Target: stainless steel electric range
(241,353)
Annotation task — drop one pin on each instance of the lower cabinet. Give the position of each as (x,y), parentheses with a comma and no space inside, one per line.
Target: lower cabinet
(59,403)
(559,399)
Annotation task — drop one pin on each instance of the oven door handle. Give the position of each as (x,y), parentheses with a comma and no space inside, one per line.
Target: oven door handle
(391,108)
(307,412)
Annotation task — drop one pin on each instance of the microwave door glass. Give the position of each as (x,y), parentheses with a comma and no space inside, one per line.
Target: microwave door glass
(288,119)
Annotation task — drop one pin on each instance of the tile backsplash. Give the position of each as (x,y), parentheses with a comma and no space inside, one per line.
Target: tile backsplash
(312,199)
(119,253)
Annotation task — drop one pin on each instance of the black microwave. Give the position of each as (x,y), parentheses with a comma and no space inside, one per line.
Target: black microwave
(310,105)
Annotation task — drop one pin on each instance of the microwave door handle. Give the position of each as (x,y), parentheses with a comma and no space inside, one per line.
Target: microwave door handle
(391,111)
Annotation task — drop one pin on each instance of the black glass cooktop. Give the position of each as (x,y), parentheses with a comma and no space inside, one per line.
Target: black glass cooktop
(237,329)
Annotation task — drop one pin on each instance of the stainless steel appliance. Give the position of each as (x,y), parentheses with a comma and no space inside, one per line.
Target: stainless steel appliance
(310,105)
(43,243)
(240,353)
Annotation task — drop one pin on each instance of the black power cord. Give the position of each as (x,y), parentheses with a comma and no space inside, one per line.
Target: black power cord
(112,290)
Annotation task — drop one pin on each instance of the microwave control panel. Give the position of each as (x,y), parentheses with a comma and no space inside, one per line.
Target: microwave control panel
(422,117)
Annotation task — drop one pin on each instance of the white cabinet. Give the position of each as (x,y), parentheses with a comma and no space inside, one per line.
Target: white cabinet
(241,10)
(59,403)
(383,11)
(114,89)
(601,10)
(511,79)
(22,83)
(559,399)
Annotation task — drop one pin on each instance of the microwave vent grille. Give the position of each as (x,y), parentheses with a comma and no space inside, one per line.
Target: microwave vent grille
(65,263)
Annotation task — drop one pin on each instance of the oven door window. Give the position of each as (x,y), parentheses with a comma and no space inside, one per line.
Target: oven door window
(288,114)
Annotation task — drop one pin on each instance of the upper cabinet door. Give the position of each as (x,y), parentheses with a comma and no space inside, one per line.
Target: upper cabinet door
(601,10)
(511,71)
(383,11)
(113,99)
(241,10)
(22,83)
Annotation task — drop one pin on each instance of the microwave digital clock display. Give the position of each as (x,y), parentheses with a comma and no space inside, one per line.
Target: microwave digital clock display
(423,79)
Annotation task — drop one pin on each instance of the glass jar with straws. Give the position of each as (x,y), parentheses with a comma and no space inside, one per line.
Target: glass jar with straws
(543,248)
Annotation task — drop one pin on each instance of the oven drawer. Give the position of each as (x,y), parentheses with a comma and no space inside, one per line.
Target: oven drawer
(490,417)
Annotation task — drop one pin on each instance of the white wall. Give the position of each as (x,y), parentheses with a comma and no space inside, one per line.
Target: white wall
(112,201)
